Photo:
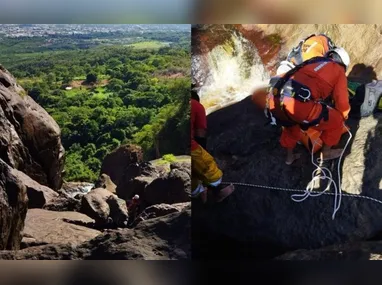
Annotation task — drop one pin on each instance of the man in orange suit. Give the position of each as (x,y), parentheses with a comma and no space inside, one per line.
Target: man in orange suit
(296,101)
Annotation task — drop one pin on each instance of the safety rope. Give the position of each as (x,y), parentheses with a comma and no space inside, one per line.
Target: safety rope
(320,173)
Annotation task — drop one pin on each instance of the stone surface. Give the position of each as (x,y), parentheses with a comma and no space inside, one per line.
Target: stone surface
(52,227)
(163,238)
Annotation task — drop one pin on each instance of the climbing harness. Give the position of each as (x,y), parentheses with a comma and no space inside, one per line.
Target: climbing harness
(309,192)
(287,87)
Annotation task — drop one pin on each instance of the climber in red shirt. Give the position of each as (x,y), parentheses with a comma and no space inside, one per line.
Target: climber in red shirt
(206,175)
(299,101)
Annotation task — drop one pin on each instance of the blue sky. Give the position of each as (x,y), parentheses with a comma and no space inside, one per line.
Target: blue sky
(95,11)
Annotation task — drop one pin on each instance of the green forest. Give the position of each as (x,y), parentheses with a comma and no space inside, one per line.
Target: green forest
(103,96)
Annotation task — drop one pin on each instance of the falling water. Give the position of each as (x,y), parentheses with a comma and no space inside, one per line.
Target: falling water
(234,70)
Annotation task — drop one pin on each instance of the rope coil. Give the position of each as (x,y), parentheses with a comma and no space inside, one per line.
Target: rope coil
(326,174)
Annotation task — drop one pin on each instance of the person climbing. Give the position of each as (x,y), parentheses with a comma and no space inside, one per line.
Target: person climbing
(206,175)
(296,101)
(312,46)
(133,208)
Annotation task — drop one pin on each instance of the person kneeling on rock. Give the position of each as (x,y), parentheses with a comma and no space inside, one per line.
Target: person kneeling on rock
(297,102)
(206,175)
(133,207)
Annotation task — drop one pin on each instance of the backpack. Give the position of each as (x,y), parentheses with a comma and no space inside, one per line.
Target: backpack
(365,99)
(296,52)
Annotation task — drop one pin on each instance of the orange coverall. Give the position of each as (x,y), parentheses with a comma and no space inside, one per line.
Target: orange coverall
(324,79)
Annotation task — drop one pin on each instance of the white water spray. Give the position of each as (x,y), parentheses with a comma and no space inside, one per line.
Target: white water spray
(234,68)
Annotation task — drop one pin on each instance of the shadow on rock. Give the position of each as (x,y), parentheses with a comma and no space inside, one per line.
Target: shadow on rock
(261,223)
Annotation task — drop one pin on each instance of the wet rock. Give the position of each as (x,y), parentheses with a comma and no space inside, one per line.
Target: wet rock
(74,188)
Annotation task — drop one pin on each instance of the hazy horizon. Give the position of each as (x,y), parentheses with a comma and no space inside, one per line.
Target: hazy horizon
(88,11)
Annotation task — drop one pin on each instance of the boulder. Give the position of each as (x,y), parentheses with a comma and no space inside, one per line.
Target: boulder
(105,208)
(136,179)
(115,163)
(29,138)
(13,208)
(38,194)
(265,223)
(128,172)
(159,210)
(64,203)
(163,238)
(58,227)
(173,188)
(104,181)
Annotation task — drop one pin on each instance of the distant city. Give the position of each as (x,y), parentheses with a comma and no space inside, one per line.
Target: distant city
(42,30)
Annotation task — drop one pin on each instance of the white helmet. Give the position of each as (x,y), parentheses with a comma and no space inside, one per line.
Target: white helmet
(136,197)
(284,67)
(340,55)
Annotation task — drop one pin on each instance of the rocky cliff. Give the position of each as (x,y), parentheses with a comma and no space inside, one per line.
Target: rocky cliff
(42,218)
(29,138)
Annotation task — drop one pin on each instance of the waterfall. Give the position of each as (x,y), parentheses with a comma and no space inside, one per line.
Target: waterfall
(231,72)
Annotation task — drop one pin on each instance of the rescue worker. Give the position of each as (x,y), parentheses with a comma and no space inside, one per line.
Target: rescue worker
(206,175)
(296,102)
(312,46)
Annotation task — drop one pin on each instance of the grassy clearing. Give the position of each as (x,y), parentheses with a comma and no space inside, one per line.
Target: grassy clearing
(72,93)
(148,45)
(101,93)
(165,160)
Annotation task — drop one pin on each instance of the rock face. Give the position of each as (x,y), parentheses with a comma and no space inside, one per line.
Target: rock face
(13,208)
(268,223)
(105,208)
(29,137)
(370,250)
(163,238)
(58,227)
(38,194)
